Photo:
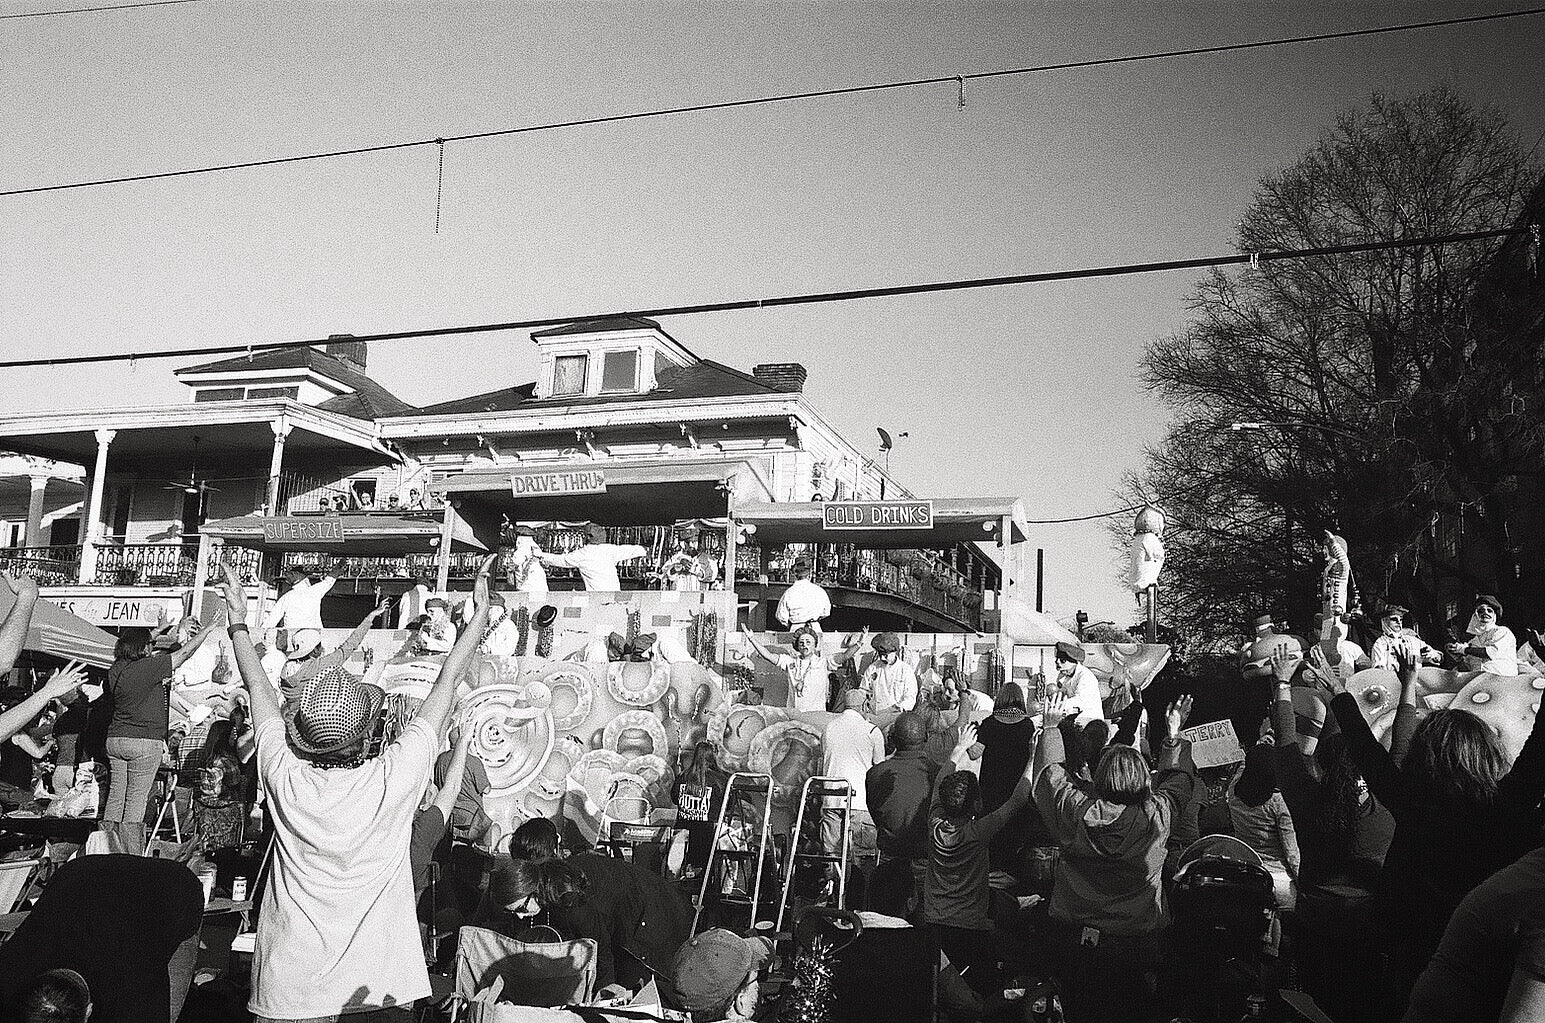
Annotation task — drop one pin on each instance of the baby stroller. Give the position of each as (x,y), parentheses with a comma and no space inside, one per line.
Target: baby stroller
(1223,929)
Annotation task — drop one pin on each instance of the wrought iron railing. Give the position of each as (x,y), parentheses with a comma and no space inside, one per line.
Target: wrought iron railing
(48,566)
(925,580)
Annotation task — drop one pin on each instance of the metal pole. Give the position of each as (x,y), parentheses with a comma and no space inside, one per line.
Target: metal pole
(1153,613)
(443,569)
(1040,577)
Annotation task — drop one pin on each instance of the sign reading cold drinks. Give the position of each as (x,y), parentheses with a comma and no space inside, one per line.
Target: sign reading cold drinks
(547,484)
(310,529)
(877,515)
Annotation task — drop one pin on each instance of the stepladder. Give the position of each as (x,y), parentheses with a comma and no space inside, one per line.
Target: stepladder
(741,837)
(832,847)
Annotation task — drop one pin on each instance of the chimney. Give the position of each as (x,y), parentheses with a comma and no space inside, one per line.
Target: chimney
(785,376)
(346,350)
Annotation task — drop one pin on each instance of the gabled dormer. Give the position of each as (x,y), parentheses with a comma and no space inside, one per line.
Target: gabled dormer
(605,359)
(331,378)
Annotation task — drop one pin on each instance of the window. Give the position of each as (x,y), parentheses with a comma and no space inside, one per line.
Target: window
(620,371)
(273,392)
(569,374)
(219,394)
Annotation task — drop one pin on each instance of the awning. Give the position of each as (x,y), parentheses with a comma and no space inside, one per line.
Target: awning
(644,493)
(56,631)
(1026,626)
(379,534)
(955,520)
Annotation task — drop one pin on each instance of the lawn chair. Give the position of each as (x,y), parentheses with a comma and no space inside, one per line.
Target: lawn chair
(547,974)
(17,880)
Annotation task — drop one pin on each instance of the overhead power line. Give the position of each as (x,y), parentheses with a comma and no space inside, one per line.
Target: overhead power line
(815,298)
(853,90)
(96,10)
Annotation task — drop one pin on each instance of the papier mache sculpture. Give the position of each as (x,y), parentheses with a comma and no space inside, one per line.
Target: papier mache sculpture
(1147,558)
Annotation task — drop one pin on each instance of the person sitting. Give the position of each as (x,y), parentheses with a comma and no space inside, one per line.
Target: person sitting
(438,633)
(1460,814)
(890,680)
(1261,820)
(637,918)
(55,996)
(597,560)
(1491,646)
(128,925)
(717,975)
(219,807)
(1107,905)
(804,604)
(338,909)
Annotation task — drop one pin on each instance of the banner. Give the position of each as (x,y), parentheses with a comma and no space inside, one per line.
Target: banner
(1214,744)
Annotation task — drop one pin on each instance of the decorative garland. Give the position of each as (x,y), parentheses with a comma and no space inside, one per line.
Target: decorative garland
(544,640)
(523,623)
(635,623)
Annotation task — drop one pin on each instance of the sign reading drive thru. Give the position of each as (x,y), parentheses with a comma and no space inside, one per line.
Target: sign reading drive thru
(545,484)
(309,529)
(877,515)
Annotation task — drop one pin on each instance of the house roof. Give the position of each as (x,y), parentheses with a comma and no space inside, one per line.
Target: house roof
(369,401)
(601,326)
(704,379)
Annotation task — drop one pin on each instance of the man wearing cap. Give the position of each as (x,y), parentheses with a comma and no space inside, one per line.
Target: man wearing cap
(299,610)
(1491,647)
(597,560)
(338,932)
(718,975)
(438,633)
(1394,637)
(1078,685)
(890,681)
(804,603)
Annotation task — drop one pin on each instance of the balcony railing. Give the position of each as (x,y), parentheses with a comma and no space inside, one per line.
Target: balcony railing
(925,581)
(168,564)
(48,566)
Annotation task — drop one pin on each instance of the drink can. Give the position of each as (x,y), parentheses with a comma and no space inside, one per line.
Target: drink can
(239,890)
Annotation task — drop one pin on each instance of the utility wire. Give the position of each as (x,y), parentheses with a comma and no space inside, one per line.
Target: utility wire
(853,90)
(817,298)
(94,10)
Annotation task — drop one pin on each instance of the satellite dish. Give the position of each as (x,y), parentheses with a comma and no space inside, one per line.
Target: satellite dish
(885,439)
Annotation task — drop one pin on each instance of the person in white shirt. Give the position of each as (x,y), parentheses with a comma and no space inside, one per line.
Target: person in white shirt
(411,606)
(597,560)
(1078,685)
(338,930)
(804,603)
(438,633)
(809,672)
(1491,647)
(851,746)
(890,681)
(524,570)
(299,610)
(1395,637)
(500,637)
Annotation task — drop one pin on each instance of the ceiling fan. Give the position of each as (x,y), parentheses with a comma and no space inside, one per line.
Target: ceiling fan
(192,485)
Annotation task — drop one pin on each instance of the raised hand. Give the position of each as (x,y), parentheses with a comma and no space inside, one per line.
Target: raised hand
(967,737)
(1176,713)
(480,585)
(65,681)
(1283,664)
(234,593)
(1055,710)
(24,586)
(381,607)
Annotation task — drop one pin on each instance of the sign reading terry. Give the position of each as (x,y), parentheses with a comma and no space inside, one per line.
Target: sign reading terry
(303,530)
(877,515)
(541,484)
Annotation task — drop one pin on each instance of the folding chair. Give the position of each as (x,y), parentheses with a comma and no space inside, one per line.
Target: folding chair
(17,879)
(543,974)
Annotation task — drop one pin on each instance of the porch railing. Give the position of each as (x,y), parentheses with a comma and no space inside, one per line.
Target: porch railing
(48,566)
(168,564)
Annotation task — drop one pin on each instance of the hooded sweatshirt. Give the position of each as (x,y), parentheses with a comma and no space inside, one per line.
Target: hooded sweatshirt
(955,890)
(1109,876)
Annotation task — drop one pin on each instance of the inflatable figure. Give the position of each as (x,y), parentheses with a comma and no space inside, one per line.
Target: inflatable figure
(1125,667)
(1508,703)
(1335,578)
(1147,559)
(1255,661)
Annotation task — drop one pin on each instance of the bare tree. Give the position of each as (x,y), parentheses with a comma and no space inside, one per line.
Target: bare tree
(1383,387)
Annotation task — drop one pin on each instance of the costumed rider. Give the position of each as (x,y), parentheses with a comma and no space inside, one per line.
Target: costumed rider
(1080,688)
(809,672)
(438,633)
(1492,646)
(1394,637)
(297,671)
(597,560)
(299,610)
(690,567)
(804,603)
(525,570)
(890,680)
(501,637)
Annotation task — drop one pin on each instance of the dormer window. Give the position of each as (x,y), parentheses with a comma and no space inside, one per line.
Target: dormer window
(569,374)
(620,371)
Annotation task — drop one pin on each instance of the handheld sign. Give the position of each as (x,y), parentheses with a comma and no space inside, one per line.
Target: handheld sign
(1214,744)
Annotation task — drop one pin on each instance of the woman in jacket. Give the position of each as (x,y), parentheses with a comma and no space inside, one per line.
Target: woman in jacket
(1107,905)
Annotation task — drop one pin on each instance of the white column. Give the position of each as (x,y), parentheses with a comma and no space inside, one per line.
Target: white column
(200,573)
(93,531)
(34,535)
(443,570)
(281,428)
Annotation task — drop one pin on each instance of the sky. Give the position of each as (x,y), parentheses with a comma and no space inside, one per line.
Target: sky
(1028,391)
